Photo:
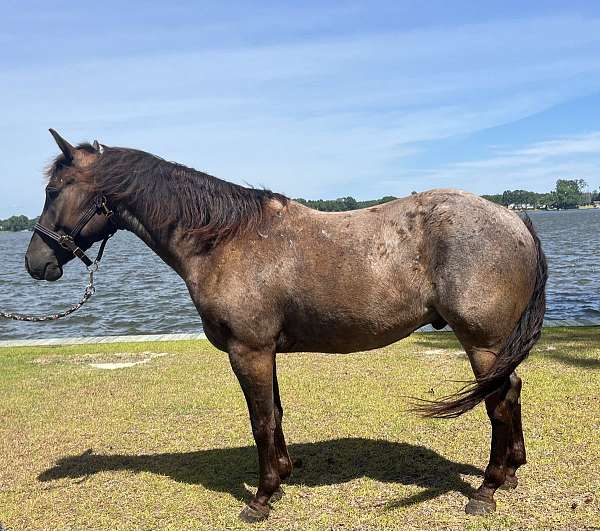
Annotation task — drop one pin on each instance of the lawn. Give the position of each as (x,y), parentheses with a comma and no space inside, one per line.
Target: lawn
(166,444)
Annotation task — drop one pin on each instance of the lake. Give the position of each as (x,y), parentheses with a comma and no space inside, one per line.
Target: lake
(138,294)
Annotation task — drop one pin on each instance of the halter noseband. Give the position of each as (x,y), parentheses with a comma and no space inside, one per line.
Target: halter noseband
(67,241)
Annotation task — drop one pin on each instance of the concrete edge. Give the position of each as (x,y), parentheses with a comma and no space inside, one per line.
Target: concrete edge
(99,339)
(183,337)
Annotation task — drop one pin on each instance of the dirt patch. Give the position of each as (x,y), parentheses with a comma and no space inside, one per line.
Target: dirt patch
(124,364)
(115,360)
(442,352)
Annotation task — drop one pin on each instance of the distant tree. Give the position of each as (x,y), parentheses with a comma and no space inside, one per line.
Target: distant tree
(349,203)
(387,199)
(17,223)
(495,198)
(520,197)
(548,200)
(569,192)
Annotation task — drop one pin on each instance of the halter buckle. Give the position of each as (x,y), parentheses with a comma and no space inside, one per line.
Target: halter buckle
(66,241)
(103,208)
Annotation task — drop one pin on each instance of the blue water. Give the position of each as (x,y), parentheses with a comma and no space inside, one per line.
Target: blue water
(139,294)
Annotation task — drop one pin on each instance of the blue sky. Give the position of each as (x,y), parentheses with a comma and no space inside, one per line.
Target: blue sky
(312,99)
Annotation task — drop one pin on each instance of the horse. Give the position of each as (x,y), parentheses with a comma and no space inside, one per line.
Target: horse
(269,275)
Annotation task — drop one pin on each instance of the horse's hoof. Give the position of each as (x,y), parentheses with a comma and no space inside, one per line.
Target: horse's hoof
(510,483)
(277,495)
(251,515)
(479,507)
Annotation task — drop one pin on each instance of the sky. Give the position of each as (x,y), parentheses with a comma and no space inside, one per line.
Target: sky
(312,99)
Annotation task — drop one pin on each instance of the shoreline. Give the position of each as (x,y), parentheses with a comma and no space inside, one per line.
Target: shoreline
(141,338)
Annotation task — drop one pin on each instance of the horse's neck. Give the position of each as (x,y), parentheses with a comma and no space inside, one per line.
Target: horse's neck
(132,222)
(165,242)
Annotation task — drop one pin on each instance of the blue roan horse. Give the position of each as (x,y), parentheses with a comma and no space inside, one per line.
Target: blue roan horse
(269,275)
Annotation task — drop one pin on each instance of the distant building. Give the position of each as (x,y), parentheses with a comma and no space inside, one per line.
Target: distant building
(521,206)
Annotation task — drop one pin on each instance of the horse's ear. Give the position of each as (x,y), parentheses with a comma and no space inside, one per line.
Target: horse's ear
(67,149)
(98,147)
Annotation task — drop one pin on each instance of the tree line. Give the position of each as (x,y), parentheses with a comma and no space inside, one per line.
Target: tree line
(569,193)
(342,204)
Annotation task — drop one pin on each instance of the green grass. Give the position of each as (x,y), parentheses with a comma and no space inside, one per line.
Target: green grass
(167,444)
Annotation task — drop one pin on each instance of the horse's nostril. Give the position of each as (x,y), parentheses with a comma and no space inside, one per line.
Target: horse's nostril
(52,272)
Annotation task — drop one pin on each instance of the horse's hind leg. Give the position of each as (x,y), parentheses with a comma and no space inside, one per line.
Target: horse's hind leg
(516,454)
(283,459)
(254,370)
(500,413)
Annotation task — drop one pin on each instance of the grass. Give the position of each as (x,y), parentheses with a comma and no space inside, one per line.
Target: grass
(167,444)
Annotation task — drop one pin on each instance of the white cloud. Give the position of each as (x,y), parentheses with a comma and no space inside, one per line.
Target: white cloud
(319,116)
(535,166)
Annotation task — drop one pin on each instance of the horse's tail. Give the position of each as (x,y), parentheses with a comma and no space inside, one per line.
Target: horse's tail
(522,339)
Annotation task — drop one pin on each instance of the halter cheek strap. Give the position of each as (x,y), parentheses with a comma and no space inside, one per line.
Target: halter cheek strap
(67,241)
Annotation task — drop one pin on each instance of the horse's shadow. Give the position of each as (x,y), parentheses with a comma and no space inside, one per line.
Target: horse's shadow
(323,463)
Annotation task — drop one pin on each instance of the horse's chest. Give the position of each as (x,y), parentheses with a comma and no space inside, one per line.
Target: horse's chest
(218,333)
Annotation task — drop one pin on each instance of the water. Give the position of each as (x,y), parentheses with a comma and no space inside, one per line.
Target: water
(138,294)
(571,241)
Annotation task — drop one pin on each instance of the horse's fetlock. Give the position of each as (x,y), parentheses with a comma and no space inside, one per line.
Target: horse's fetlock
(517,455)
(495,475)
(270,483)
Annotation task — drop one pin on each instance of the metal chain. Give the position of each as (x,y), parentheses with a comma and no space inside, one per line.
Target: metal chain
(89,291)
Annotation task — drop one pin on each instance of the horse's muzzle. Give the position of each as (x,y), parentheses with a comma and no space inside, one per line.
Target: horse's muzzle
(50,271)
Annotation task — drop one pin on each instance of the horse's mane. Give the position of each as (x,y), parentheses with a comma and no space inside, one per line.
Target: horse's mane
(169,193)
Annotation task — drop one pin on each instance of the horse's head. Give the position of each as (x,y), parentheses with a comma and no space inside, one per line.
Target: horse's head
(69,195)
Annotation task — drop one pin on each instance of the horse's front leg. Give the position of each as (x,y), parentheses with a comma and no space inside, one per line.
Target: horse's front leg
(254,370)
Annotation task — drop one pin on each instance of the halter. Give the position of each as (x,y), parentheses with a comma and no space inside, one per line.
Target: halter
(67,241)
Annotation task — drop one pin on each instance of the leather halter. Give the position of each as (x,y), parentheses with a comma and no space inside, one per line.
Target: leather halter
(67,241)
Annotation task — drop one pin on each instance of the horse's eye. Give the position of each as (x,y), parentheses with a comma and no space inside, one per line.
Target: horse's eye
(52,193)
